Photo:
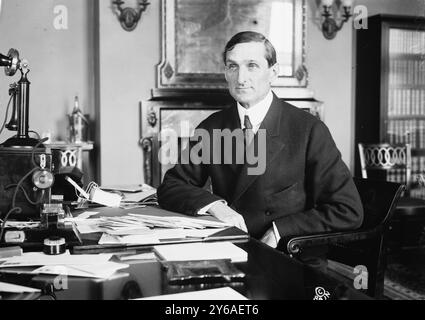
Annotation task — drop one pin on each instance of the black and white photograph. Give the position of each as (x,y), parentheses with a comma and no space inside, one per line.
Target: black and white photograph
(204,157)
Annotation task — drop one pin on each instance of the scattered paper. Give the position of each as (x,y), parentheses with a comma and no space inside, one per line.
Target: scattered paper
(137,196)
(175,221)
(89,226)
(86,215)
(225,293)
(141,256)
(130,206)
(201,251)
(66,259)
(128,188)
(13,288)
(156,236)
(101,271)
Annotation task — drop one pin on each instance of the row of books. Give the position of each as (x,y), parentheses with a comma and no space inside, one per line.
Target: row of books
(407,131)
(399,175)
(406,102)
(418,168)
(418,192)
(407,71)
(418,165)
(407,41)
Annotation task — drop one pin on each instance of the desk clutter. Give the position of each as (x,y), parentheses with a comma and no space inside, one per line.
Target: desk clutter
(189,249)
(108,266)
(125,197)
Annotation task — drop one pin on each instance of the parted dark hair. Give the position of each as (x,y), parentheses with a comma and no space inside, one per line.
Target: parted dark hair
(251,36)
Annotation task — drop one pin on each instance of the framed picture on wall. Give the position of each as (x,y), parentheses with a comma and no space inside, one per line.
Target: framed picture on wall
(194,33)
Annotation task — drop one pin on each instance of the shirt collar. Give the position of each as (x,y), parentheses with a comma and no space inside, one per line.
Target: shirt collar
(257,112)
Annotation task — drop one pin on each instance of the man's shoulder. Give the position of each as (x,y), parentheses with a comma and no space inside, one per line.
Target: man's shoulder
(295,114)
(217,119)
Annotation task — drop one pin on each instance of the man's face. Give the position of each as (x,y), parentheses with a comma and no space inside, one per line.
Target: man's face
(248,74)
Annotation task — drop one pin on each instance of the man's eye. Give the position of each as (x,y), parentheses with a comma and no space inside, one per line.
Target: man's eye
(232,66)
(252,66)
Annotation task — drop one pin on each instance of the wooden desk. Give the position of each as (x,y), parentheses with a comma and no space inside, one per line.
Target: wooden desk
(270,275)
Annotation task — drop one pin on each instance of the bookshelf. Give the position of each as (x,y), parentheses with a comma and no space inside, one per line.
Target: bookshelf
(390,88)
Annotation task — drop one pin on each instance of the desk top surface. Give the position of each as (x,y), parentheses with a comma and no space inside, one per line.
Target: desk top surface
(270,275)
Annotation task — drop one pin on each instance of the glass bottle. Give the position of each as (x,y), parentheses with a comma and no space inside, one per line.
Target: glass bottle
(77,123)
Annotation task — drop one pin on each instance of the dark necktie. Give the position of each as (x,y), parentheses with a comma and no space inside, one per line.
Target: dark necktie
(248,133)
(247,123)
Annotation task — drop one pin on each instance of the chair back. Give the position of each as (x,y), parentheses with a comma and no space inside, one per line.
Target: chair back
(379,199)
(365,246)
(394,159)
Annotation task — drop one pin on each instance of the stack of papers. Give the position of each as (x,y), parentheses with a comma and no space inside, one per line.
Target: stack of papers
(149,221)
(123,225)
(142,196)
(84,265)
(146,225)
(134,196)
(201,251)
(157,236)
(143,229)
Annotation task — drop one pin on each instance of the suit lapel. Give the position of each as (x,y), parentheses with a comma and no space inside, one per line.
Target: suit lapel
(274,145)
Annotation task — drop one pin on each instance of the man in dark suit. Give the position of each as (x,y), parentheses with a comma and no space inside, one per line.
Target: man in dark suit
(305,187)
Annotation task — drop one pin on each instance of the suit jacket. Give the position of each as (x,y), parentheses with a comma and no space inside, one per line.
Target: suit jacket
(305,189)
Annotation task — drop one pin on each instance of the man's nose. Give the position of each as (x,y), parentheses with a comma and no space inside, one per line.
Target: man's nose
(242,76)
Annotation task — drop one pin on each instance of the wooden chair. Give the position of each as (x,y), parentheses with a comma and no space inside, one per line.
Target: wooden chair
(365,246)
(394,163)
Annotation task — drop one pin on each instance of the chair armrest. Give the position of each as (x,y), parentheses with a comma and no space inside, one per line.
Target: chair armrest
(296,245)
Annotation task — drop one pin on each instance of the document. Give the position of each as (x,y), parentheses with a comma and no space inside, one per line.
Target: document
(134,195)
(13,288)
(127,187)
(158,235)
(201,251)
(86,214)
(141,256)
(87,226)
(137,196)
(66,259)
(225,293)
(100,271)
(145,225)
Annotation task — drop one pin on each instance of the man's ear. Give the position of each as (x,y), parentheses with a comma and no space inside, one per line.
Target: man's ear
(225,73)
(274,72)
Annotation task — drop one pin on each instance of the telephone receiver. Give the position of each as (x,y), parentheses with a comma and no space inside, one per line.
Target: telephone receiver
(12,125)
(11,61)
(12,64)
(21,97)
